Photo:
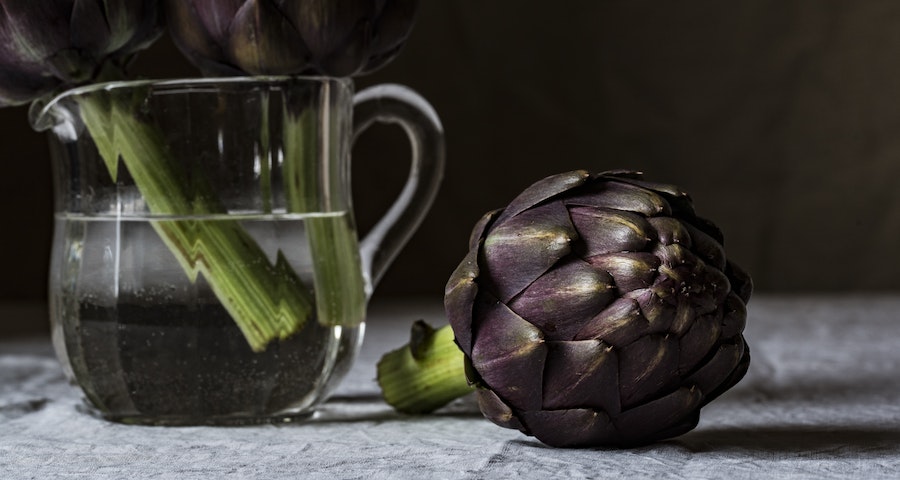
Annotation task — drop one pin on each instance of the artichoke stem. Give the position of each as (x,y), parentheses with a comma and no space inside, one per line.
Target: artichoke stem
(425,374)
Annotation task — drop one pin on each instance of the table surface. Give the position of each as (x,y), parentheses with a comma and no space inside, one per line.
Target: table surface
(821,400)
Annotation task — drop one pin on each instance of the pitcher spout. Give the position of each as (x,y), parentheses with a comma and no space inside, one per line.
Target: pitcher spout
(51,113)
(59,111)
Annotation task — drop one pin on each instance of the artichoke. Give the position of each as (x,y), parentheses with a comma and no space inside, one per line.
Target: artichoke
(594,310)
(49,44)
(289,37)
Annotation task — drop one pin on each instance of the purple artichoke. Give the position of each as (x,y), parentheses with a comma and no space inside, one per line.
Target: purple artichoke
(47,44)
(288,37)
(599,310)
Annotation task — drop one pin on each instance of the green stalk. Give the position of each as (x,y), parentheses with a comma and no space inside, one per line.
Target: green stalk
(265,155)
(426,374)
(338,282)
(266,301)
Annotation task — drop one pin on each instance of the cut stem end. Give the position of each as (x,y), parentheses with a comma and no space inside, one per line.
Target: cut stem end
(425,374)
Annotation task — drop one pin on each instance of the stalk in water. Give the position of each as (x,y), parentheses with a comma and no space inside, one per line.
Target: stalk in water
(266,301)
(338,283)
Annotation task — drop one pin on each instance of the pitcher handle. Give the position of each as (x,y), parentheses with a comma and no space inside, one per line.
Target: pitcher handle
(400,105)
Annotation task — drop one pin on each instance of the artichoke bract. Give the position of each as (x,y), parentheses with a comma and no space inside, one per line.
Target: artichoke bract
(49,44)
(290,37)
(599,310)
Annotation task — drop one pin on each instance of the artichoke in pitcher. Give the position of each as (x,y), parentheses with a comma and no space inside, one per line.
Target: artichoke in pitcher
(594,310)
(48,44)
(290,37)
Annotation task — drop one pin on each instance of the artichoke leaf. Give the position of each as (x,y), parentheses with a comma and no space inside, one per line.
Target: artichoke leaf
(667,189)
(630,270)
(670,231)
(391,31)
(697,342)
(708,377)
(684,317)
(95,38)
(708,227)
(736,375)
(263,42)
(326,25)
(646,367)
(202,30)
(497,411)
(625,197)
(741,283)
(459,298)
(560,301)
(735,318)
(576,427)
(619,324)
(509,354)
(477,235)
(606,231)
(655,420)
(676,255)
(520,250)
(706,247)
(582,374)
(544,190)
(659,313)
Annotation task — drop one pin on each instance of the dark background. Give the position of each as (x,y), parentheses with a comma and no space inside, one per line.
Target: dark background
(781,117)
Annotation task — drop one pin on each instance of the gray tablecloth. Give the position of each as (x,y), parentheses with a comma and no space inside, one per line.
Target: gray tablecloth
(821,400)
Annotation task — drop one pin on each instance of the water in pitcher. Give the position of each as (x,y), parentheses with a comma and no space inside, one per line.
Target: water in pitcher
(146,341)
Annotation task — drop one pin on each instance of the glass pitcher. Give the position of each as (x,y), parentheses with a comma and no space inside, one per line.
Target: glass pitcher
(205,265)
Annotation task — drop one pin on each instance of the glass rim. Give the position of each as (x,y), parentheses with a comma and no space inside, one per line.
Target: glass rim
(40,109)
